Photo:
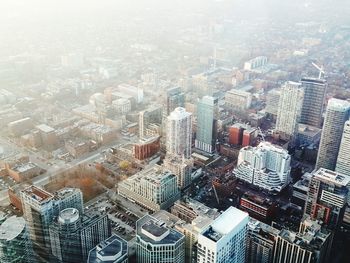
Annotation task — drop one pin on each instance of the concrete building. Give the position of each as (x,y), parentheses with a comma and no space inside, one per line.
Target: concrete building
(155,242)
(255,63)
(308,135)
(261,242)
(224,239)
(267,166)
(135,92)
(272,101)
(122,105)
(112,250)
(69,198)
(207,112)
(238,99)
(15,244)
(146,148)
(73,235)
(179,133)
(337,114)
(310,245)
(327,197)
(289,109)
(343,160)
(314,98)
(151,188)
(181,167)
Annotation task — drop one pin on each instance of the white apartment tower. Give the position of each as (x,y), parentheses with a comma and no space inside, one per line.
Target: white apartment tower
(179,133)
(337,114)
(343,161)
(289,109)
(224,240)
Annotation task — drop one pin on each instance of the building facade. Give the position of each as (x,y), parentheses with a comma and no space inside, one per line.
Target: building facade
(207,110)
(343,160)
(224,239)
(289,109)
(337,114)
(155,242)
(267,166)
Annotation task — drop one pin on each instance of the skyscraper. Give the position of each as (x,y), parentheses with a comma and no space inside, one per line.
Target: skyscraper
(343,161)
(207,110)
(224,240)
(289,109)
(337,114)
(38,211)
(155,242)
(73,235)
(314,97)
(15,244)
(327,197)
(179,133)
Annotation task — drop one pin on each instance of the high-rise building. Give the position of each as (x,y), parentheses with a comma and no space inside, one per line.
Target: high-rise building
(150,117)
(261,241)
(69,198)
(327,196)
(289,109)
(267,166)
(73,235)
(38,211)
(207,111)
(314,98)
(337,114)
(343,161)
(224,240)
(181,167)
(174,98)
(15,244)
(112,250)
(272,101)
(155,242)
(152,188)
(310,245)
(179,133)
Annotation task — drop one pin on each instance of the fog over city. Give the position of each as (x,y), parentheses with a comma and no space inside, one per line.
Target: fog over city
(176,131)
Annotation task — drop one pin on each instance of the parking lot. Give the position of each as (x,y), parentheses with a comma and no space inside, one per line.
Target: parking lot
(122,220)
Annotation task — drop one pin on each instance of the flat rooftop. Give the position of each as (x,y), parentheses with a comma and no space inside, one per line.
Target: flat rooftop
(12,228)
(45,128)
(225,223)
(327,176)
(37,194)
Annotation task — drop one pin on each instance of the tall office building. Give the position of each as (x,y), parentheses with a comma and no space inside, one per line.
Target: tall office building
(267,166)
(179,133)
(152,188)
(289,109)
(343,161)
(69,198)
(314,98)
(15,244)
(337,114)
(73,235)
(112,250)
(38,211)
(327,197)
(224,240)
(174,98)
(155,242)
(207,111)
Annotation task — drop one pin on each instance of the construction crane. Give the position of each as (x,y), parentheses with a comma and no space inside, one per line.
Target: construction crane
(320,69)
(261,134)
